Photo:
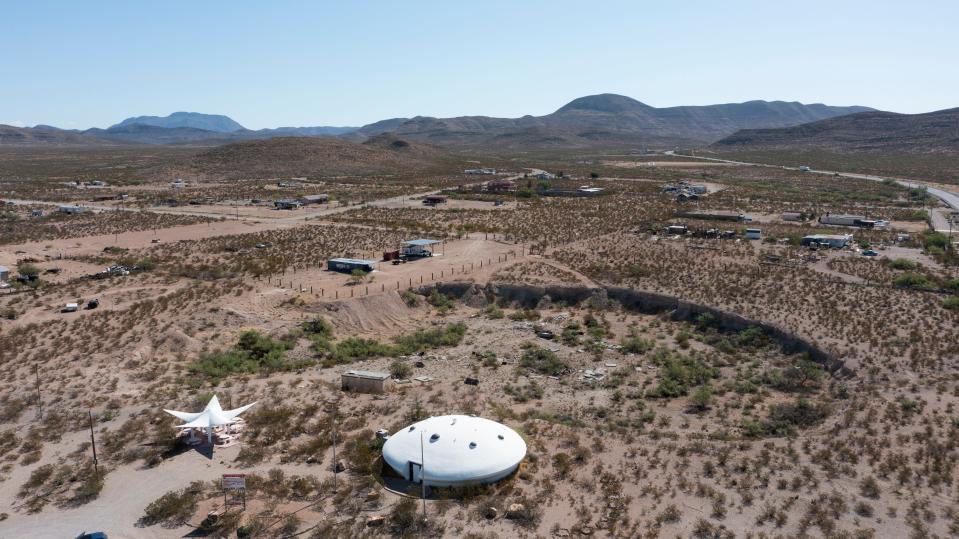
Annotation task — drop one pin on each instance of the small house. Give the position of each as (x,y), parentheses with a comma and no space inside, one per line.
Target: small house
(287,204)
(836,241)
(315,199)
(71,209)
(433,200)
(347,265)
(419,247)
(366,381)
(500,186)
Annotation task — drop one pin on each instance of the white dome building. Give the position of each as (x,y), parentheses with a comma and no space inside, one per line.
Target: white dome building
(457,449)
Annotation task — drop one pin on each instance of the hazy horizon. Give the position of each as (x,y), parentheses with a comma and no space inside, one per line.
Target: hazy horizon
(348,65)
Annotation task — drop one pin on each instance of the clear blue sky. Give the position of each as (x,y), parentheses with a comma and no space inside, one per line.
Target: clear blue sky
(77,64)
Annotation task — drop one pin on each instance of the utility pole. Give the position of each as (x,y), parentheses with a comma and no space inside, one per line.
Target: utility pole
(93,444)
(334,449)
(36,369)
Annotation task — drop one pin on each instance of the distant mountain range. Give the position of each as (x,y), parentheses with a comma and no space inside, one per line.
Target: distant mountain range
(605,120)
(194,120)
(933,132)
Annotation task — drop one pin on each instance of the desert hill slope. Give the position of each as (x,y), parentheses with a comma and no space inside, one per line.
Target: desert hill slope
(933,132)
(319,156)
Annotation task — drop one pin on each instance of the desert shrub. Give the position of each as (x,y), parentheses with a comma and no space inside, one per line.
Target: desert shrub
(934,240)
(28,269)
(172,509)
(804,374)
(571,333)
(440,301)
(404,518)
(752,338)
(361,451)
(357,349)
(702,397)
(410,298)
(353,349)
(542,361)
(912,280)
(951,303)
(677,374)
(637,345)
(449,335)
(253,353)
(869,488)
(319,327)
(398,369)
(785,418)
(493,312)
(903,264)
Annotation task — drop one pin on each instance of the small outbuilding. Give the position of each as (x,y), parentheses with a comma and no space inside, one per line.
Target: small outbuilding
(315,199)
(287,204)
(347,265)
(433,200)
(754,234)
(836,241)
(454,451)
(792,216)
(366,381)
(847,220)
(71,209)
(4,273)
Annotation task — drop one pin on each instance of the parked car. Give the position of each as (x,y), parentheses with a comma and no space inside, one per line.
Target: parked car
(869,252)
(92,535)
(93,303)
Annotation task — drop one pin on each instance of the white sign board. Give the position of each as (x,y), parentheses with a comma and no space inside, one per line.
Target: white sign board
(234,482)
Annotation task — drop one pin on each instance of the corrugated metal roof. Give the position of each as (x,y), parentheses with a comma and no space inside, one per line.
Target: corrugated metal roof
(353,261)
(422,242)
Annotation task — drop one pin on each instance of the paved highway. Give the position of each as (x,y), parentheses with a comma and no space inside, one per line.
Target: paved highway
(939,218)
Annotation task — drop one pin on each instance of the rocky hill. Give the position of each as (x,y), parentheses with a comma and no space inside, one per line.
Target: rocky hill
(933,132)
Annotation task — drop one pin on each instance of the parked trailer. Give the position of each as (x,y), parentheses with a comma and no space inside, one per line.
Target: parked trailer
(347,265)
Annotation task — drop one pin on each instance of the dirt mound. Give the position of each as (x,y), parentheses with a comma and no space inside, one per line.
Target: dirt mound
(379,314)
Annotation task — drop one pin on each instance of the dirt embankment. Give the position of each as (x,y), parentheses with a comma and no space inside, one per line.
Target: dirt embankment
(531,296)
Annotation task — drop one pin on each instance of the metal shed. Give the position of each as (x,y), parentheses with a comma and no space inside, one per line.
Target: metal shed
(419,247)
(366,381)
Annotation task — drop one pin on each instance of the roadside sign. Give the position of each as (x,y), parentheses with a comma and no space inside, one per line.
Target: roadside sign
(234,481)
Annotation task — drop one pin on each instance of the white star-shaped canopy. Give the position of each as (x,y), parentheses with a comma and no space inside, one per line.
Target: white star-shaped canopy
(211,416)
